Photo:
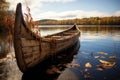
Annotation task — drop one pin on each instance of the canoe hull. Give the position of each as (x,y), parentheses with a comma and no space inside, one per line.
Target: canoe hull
(31,49)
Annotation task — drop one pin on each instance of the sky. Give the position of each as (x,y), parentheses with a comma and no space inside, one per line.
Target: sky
(69,9)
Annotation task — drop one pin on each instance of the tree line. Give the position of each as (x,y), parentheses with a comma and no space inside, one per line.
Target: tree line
(113,20)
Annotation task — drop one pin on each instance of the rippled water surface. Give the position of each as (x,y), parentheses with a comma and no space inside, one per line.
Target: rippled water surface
(98,58)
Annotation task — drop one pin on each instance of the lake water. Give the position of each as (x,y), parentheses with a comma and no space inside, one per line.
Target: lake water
(98,57)
(99,44)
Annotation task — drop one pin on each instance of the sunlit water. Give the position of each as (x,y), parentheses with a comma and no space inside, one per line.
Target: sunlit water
(97,44)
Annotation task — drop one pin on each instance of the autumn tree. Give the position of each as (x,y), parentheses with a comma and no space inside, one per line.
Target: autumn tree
(6,15)
(6,23)
(4,6)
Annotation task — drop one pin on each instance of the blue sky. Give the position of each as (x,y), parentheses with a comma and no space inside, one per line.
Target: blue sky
(69,9)
(87,5)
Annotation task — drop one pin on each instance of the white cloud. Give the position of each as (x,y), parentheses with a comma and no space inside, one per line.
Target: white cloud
(33,3)
(75,14)
(71,14)
(117,13)
(51,1)
(36,6)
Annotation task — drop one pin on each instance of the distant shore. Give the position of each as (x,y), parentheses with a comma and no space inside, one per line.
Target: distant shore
(113,20)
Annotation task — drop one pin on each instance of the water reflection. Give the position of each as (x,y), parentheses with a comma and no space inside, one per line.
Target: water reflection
(51,30)
(97,59)
(53,66)
(97,33)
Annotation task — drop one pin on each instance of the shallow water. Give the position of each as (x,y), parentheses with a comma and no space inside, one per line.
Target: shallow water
(99,45)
